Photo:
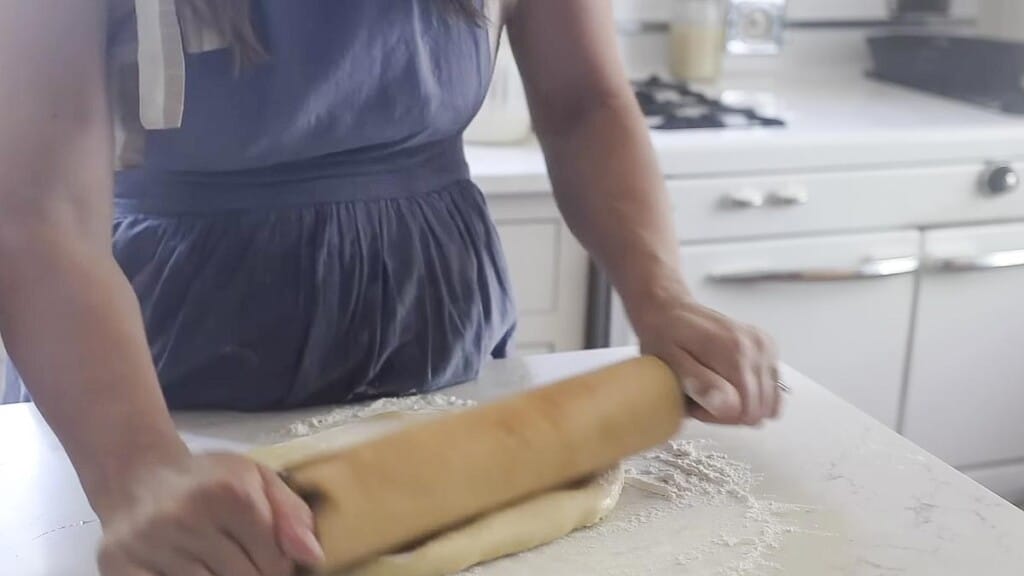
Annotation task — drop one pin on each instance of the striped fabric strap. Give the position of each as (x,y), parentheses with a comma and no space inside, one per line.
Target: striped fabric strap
(165,32)
(161,64)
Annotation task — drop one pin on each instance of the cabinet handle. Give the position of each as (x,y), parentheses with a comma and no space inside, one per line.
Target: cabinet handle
(744,199)
(990,261)
(881,268)
(790,197)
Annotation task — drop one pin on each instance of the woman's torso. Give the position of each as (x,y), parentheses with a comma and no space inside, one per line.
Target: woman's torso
(361,77)
(309,233)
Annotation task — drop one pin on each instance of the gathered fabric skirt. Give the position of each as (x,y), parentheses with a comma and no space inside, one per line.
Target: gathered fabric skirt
(333,279)
(318,303)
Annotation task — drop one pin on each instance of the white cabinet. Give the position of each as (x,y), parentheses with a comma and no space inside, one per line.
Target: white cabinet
(966,385)
(548,270)
(838,306)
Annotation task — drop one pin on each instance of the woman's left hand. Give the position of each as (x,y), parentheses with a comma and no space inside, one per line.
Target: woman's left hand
(729,369)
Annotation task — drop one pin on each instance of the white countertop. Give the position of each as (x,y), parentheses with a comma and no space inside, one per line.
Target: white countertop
(870,502)
(836,119)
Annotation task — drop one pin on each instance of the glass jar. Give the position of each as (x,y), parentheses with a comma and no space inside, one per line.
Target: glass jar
(697,33)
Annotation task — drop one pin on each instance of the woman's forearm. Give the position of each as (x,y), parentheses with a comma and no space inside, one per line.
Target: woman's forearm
(610,191)
(71,323)
(69,318)
(595,141)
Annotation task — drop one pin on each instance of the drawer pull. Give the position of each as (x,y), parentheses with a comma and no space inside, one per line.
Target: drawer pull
(791,197)
(990,261)
(880,268)
(744,199)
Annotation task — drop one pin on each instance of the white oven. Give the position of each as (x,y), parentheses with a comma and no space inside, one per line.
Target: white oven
(897,288)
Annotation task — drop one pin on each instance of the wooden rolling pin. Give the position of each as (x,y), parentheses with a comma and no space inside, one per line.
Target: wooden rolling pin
(395,490)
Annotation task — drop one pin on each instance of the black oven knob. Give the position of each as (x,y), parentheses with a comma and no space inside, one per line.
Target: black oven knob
(1001,179)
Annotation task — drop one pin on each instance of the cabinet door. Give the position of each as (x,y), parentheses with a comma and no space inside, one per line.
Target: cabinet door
(839,307)
(966,384)
(548,271)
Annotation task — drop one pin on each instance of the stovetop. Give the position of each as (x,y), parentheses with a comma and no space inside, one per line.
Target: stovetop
(671,105)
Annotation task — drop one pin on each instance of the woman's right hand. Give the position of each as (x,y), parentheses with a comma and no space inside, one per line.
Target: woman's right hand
(208,515)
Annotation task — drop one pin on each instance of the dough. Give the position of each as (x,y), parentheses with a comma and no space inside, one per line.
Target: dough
(526,525)
(519,527)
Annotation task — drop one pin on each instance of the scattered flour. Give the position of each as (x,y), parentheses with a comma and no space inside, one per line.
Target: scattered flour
(346,414)
(690,473)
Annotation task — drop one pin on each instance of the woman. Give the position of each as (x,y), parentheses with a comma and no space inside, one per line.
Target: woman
(299,229)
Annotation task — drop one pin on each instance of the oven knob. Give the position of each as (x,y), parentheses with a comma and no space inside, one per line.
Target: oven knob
(1001,179)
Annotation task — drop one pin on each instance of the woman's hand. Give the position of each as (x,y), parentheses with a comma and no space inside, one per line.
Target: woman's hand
(729,369)
(209,515)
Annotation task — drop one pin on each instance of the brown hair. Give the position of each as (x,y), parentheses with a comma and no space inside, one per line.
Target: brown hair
(233,20)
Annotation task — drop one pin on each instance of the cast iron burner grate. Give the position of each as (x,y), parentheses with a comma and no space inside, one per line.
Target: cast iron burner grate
(674,106)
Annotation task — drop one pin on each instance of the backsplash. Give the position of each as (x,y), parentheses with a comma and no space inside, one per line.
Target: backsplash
(798,11)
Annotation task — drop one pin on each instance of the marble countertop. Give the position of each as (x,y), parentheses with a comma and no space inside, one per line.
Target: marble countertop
(836,119)
(850,497)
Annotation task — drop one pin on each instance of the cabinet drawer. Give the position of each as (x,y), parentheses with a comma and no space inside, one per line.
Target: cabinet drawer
(765,205)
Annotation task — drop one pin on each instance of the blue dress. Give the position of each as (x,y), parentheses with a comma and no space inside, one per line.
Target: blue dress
(310,234)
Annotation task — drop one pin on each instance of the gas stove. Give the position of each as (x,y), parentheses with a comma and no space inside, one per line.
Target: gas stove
(675,106)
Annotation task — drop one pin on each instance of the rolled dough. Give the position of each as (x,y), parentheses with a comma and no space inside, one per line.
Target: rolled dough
(528,524)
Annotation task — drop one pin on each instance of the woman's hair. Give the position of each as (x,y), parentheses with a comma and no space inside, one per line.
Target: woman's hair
(233,20)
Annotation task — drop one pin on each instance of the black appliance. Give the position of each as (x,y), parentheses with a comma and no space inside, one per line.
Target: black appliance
(980,71)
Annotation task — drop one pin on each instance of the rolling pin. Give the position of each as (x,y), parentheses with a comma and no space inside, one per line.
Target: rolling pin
(393,491)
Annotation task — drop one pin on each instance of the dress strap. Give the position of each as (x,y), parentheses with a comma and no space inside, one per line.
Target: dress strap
(148,71)
(165,32)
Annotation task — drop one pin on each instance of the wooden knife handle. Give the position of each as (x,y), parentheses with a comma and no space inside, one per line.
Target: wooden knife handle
(395,490)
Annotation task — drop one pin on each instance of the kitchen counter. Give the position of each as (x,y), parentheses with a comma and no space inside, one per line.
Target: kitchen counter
(835,120)
(859,499)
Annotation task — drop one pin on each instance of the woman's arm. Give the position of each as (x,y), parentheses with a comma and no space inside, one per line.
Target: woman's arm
(611,193)
(72,324)
(69,318)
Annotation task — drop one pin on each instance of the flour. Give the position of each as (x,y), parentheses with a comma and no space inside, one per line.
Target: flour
(346,414)
(689,473)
